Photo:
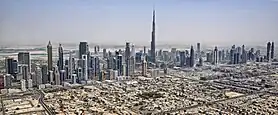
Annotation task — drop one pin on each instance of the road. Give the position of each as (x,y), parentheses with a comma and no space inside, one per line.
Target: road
(41,101)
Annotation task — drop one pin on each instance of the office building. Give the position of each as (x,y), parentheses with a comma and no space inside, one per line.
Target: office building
(119,65)
(182,58)
(73,78)
(38,74)
(85,67)
(44,71)
(70,66)
(51,77)
(83,49)
(57,76)
(272,51)
(25,72)
(198,50)
(192,60)
(127,59)
(11,66)
(30,83)
(60,57)
(2,81)
(62,76)
(49,56)
(23,84)
(268,51)
(24,58)
(144,67)
(215,56)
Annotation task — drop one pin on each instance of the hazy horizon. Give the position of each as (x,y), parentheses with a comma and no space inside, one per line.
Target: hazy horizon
(210,22)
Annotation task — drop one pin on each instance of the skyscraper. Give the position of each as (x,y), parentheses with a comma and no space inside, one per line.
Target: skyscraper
(153,60)
(272,50)
(198,50)
(144,67)
(61,58)
(70,65)
(11,66)
(127,58)
(24,59)
(215,57)
(191,57)
(182,58)
(132,60)
(83,49)
(49,56)
(268,51)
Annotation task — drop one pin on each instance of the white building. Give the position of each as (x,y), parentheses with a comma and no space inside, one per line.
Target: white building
(23,84)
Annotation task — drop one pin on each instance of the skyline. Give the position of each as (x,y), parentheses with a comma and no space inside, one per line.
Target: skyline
(180,22)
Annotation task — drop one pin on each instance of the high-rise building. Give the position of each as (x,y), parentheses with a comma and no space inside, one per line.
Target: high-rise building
(232,54)
(25,72)
(61,58)
(23,84)
(2,81)
(70,67)
(127,59)
(49,56)
(83,49)
(38,73)
(272,50)
(119,65)
(215,57)
(268,51)
(24,58)
(44,71)
(192,60)
(144,67)
(85,68)
(51,77)
(62,76)
(11,66)
(182,58)
(104,53)
(57,76)
(8,80)
(153,56)
(243,55)
(198,50)
(132,60)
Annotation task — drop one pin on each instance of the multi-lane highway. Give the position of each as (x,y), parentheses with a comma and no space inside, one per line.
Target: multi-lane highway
(41,101)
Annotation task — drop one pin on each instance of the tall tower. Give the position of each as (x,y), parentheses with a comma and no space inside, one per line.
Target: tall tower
(268,51)
(49,56)
(192,57)
(272,50)
(198,50)
(61,58)
(215,56)
(70,65)
(24,59)
(127,59)
(153,39)
(83,49)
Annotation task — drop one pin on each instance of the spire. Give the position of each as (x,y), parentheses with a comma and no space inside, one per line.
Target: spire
(153,25)
(49,43)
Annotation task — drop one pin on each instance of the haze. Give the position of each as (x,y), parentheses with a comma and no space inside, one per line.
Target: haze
(117,21)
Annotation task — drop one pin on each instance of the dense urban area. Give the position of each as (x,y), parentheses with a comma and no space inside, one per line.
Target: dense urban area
(235,80)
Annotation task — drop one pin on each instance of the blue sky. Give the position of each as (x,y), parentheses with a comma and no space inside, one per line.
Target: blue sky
(116,21)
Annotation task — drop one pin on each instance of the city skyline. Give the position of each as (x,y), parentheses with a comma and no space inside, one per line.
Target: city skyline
(179,22)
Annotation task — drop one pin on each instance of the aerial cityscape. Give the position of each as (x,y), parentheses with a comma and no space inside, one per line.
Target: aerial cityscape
(139,80)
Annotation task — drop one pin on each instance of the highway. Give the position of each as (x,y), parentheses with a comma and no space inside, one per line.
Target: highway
(41,101)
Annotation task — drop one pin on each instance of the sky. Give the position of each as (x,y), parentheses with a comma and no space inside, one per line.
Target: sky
(118,21)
